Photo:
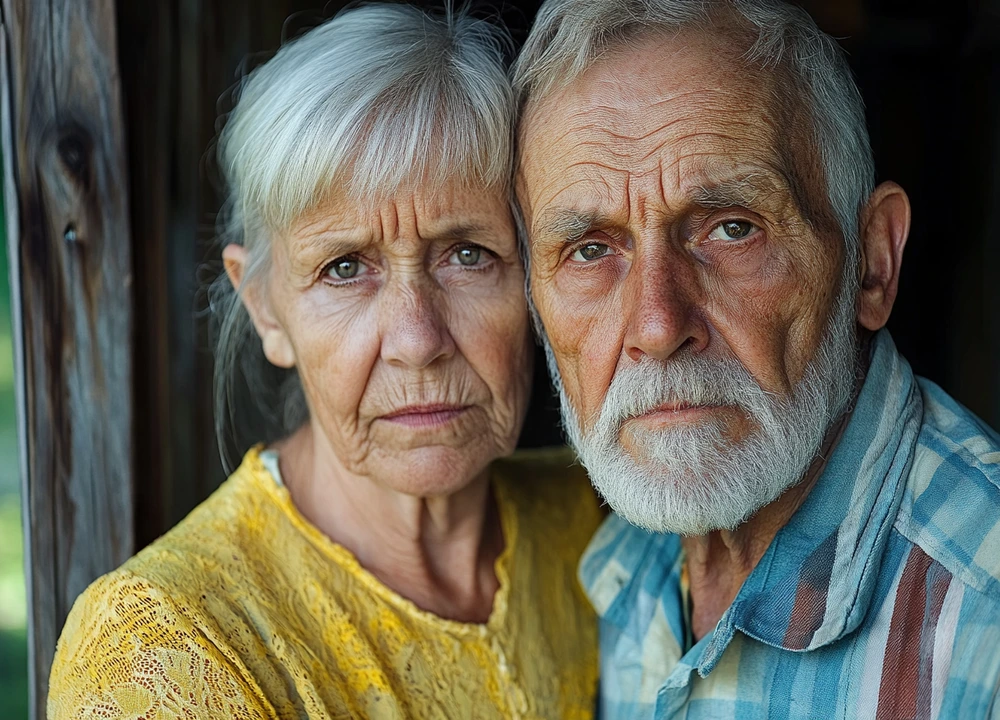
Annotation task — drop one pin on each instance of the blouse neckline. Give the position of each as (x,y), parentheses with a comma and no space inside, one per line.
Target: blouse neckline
(261,474)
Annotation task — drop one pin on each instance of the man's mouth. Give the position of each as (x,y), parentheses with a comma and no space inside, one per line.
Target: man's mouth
(674,413)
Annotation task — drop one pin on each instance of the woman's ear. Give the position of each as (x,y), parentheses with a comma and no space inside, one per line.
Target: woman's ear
(885,226)
(275,341)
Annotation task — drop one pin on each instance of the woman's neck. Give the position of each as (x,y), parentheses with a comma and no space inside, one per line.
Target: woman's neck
(438,552)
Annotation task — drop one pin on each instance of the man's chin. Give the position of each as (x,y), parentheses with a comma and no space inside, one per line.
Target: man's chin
(671,497)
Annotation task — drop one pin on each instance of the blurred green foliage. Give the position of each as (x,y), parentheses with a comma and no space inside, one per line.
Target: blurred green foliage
(13,636)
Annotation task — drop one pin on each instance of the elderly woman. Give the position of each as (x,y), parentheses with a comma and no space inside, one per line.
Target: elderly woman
(378,560)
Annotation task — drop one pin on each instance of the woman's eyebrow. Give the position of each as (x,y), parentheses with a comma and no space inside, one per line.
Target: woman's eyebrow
(331,243)
(459,232)
(309,251)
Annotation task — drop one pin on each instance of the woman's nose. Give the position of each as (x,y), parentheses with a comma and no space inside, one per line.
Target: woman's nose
(415,330)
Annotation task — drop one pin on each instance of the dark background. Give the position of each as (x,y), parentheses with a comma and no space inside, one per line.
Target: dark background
(929,72)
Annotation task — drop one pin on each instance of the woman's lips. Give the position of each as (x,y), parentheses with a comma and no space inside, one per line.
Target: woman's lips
(425,416)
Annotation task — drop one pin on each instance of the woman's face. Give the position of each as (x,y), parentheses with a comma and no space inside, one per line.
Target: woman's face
(409,330)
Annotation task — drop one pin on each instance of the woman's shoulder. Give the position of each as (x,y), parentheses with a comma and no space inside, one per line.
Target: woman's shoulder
(235,521)
(215,547)
(129,648)
(171,617)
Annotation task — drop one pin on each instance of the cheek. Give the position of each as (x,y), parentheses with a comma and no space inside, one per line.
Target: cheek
(581,312)
(771,308)
(336,345)
(491,328)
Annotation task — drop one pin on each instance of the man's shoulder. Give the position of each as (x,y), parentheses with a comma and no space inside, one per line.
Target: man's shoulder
(623,561)
(951,508)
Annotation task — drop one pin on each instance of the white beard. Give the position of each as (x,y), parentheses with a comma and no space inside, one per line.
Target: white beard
(692,479)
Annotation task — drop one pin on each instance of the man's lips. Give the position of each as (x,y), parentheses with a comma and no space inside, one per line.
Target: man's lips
(670,413)
(425,416)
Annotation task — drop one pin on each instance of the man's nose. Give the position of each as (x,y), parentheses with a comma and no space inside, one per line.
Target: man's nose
(661,309)
(415,330)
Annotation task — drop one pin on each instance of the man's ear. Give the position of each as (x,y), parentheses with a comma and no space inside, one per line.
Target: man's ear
(885,226)
(277,346)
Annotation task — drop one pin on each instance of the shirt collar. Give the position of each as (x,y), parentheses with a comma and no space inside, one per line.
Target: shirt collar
(816,580)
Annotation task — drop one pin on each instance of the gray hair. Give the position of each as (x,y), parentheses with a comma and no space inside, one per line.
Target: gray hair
(379,96)
(569,35)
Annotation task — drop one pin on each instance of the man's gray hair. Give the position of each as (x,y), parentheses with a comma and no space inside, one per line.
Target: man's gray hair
(570,35)
(379,96)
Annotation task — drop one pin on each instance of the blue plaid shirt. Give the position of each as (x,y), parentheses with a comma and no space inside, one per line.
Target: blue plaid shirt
(879,599)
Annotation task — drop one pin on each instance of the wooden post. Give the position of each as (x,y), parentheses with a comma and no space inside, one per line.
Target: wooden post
(69,242)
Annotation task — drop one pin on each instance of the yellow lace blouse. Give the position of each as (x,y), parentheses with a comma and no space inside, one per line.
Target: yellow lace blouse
(245,610)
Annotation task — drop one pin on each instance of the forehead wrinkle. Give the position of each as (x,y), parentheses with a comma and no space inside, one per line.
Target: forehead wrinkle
(691,169)
(657,150)
(320,231)
(555,184)
(698,93)
(615,147)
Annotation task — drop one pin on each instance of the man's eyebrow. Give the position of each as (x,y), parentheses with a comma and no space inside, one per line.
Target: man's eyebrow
(568,224)
(745,191)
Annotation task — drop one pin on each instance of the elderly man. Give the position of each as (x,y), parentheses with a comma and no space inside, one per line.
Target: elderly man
(713,268)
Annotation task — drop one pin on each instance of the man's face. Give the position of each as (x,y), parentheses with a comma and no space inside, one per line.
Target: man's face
(686,272)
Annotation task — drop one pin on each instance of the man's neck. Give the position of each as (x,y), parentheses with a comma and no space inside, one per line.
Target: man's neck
(718,563)
(438,552)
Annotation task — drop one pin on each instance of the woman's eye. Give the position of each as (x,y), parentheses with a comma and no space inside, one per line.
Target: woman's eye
(591,252)
(468,256)
(346,268)
(732,230)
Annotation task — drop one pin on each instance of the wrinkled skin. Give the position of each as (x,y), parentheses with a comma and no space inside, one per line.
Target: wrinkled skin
(674,207)
(660,165)
(413,327)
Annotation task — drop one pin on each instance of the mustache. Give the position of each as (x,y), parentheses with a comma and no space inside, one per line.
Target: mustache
(639,388)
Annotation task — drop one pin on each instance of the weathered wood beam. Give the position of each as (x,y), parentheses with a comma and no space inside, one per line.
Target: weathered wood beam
(69,242)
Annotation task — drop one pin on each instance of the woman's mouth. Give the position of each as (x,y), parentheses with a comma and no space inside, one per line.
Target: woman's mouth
(425,416)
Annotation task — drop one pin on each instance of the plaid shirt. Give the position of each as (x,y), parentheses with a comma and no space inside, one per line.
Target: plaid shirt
(879,599)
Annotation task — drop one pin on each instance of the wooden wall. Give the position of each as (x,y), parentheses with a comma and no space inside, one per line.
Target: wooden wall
(66,198)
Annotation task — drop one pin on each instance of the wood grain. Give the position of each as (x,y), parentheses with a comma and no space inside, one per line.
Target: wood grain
(69,238)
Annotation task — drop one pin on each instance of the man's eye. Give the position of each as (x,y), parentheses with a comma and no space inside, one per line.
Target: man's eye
(469,256)
(346,268)
(591,252)
(732,230)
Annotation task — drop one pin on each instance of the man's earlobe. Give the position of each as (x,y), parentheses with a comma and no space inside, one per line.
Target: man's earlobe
(885,226)
(274,340)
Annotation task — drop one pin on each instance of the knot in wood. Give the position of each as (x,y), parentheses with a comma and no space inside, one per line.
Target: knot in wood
(75,148)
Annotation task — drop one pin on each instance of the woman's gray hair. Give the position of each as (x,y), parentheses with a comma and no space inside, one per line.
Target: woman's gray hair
(569,35)
(379,96)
